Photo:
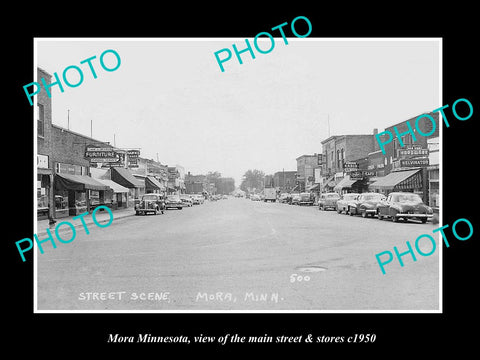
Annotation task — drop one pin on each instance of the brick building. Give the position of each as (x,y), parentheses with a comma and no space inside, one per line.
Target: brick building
(43,117)
(65,186)
(284,181)
(306,165)
(398,174)
(338,150)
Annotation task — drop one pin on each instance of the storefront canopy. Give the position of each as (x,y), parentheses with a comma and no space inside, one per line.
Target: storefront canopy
(398,180)
(314,187)
(77,183)
(346,182)
(125,178)
(117,188)
(151,182)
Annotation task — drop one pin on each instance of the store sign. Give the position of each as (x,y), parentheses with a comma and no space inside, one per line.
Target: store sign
(414,162)
(319,159)
(412,152)
(413,146)
(133,154)
(361,174)
(350,166)
(42,161)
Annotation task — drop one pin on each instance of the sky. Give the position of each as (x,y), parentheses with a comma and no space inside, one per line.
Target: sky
(169,96)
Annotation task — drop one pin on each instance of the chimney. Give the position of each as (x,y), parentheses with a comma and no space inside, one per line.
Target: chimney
(376,145)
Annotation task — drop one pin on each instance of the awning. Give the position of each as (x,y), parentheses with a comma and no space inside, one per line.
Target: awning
(77,183)
(41,171)
(399,180)
(314,187)
(346,182)
(117,188)
(125,178)
(151,182)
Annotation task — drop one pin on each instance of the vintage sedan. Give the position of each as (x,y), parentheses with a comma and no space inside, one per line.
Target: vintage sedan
(366,204)
(306,199)
(153,203)
(197,199)
(186,200)
(344,203)
(404,205)
(328,200)
(296,198)
(173,202)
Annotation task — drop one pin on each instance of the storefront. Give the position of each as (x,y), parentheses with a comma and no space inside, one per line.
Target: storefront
(44,187)
(345,185)
(403,180)
(73,194)
(43,193)
(125,178)
(116,197)
(152,185)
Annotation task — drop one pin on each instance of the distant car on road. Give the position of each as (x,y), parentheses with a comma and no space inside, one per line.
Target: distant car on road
(306,199)
(186,200)
(328,200)
(153,203)
(284,197)
(295,199)
(343,204)
(366,204)
(197,199)
(255,197)
(404,205)
(173,202)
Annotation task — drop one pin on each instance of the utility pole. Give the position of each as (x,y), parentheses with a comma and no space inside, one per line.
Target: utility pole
(114,144)
(91,127)
(68,119)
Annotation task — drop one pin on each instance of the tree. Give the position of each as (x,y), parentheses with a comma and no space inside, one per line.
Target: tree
(252,179)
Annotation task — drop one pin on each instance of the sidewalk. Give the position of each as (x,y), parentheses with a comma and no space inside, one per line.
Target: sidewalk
(101,216)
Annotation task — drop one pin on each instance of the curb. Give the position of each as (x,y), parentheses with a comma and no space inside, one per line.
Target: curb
(44,232)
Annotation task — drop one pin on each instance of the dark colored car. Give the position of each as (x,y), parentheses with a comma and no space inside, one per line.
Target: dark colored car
(404,205)
(154,203)
(328,200)
(306,199)
(173,202)
(343,204)
(366,204)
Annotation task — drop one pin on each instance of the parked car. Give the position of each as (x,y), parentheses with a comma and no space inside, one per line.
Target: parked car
(283,198)
(295,199)
(344,203)
(255,197)
(173,202)
(328,200)
(366,204)
(186,200)
(404,205)
(197,199)
(154,203)
(306,199)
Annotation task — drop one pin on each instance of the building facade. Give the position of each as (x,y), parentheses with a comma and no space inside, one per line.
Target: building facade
(306,165)
(284,181)
(406,162)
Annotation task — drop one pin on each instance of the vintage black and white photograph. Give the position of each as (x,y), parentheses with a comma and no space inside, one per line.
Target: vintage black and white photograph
(269,174)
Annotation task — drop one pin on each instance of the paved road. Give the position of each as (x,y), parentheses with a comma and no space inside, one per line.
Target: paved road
(237,254)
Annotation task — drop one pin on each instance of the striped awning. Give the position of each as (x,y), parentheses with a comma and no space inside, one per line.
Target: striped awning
(398,180)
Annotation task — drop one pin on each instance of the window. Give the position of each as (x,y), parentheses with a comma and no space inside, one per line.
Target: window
(40,120)
(338,159)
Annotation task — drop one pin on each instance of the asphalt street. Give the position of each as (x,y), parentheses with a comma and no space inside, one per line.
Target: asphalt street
(237,254)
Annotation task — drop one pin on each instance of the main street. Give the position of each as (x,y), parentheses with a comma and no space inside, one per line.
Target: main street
(237,254)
